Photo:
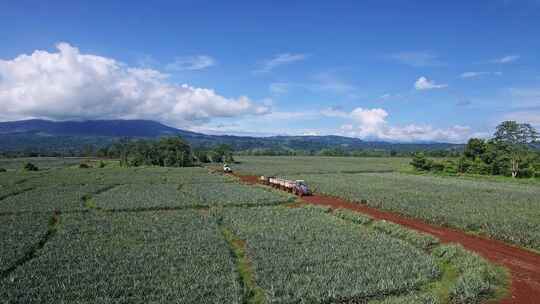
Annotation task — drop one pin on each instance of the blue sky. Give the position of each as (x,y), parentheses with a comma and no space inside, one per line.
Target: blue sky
(390,70)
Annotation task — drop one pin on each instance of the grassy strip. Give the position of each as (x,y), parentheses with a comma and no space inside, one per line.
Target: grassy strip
(253,294)
(32,252)
(477,279)
(465,276)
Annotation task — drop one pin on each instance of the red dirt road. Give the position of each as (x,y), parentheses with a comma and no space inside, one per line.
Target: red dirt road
(524,265)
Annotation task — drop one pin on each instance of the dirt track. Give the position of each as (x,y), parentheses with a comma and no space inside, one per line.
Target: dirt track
(524,265)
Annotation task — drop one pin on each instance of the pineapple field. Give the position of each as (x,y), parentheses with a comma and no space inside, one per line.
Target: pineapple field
(187,235)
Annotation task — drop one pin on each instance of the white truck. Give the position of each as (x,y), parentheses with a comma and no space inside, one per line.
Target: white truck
(226,168)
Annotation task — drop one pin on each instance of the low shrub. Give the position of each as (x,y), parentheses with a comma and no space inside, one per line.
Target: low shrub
(322,209)
(30,167)
(2,170)
(352,216)
(84,166)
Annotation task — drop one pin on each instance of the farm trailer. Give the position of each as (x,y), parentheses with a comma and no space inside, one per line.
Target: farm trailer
(297,187)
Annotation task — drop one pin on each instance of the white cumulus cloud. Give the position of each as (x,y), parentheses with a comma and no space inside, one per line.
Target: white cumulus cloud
(425,84)
(372,124)
(68,84)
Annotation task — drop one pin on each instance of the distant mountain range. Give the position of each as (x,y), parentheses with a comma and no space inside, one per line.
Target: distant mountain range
(46,135)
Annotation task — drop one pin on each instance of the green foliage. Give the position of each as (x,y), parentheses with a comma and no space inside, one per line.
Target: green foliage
(475,148)
(2,170)
(220,154)
(421,163)
(355,217)
(253,294)
(134,196)
(48,199)
(129,257)
(285,165)
(41,162)
(508,153)
(332,152)
(30,167)
(18,235)
(505,211)
(513,133)
(422,241)
(84,166)
(476,277)
(180,254)
(165,152)
(303,254)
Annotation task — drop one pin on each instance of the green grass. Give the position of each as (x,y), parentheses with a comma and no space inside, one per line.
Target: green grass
(253,294)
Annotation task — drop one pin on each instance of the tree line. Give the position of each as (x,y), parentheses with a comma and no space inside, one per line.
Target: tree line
(512,151)
(338,151)
(165,152)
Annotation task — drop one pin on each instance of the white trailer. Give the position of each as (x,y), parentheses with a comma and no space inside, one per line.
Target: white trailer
(298,187)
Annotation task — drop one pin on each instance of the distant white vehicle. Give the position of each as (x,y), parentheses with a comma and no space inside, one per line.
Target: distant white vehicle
(227,168)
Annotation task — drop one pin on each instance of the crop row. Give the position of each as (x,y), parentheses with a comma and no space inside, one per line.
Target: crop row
(149,257)
(509,212)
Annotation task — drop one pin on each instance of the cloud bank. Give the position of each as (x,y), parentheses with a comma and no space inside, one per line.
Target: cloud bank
(70,85)
(372,124)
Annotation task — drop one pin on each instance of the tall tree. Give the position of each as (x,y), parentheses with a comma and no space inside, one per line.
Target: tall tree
(516,139)
(475,148)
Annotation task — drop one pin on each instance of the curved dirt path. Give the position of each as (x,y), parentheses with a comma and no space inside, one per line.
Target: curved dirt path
(524,265)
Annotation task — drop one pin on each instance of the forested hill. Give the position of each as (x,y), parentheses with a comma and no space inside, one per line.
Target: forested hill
(71,136)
